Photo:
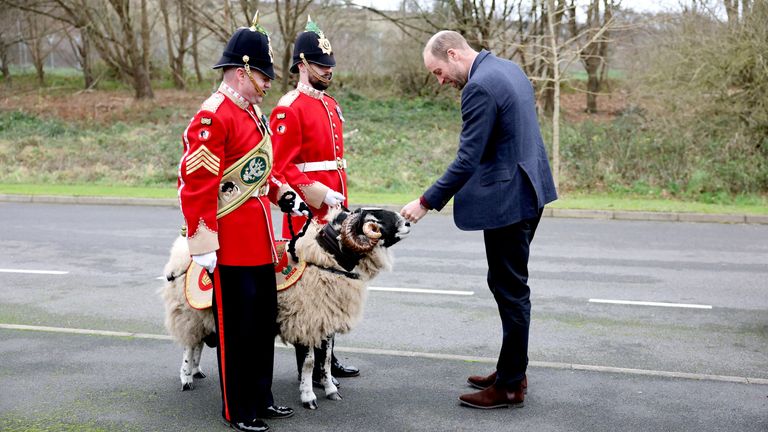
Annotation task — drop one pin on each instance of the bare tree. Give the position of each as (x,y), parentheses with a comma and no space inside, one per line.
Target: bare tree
(176,38)
(122,43)
(9,36)
(121,35)
(221,18)
(736,10)
(218,19)
(594,53)
(289,13)
(555,62)
(39,35)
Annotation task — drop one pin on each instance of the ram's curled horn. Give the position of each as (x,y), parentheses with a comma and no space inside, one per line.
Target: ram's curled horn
(356,243)
(372,230)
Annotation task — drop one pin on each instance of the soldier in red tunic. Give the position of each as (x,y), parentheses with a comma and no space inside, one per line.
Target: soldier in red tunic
(309,146)
(226,183)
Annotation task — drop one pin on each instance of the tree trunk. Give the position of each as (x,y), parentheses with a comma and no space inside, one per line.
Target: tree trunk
(594,54)
(32,37)
(285,65)
(85,58)
(288,16)
(593,88)
(548,27)
(82,53)
(138,67)
(4,63)
(556,99)
(195,52)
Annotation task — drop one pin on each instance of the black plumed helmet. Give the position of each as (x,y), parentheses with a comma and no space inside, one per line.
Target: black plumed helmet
(314,46)
(249,45)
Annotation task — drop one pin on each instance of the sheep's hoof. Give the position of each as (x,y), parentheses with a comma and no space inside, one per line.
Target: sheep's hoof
(334,396)
(310,405)
(199,374)
(187,386)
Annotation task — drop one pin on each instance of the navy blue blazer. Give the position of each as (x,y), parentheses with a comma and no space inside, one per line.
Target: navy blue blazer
(501,174)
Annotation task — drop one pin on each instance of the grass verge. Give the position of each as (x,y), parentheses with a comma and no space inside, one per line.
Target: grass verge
(754,205)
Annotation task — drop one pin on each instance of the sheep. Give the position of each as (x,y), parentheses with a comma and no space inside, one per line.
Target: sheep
(341,257)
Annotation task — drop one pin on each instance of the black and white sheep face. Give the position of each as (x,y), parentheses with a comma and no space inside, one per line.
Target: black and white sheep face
(391,225)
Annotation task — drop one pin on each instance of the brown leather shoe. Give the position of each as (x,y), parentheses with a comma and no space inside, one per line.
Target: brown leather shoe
(494,397)
(483,382)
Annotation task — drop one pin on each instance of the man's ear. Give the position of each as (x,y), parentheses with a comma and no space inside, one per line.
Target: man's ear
(451,54)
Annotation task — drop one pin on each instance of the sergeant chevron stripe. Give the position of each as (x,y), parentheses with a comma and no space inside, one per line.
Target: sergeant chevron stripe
(202,158)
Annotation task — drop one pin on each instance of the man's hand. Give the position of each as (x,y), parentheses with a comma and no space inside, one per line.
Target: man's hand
(413,211)
(333,198)
(206,260)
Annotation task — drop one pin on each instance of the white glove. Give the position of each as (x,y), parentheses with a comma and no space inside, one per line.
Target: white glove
(333,198)
(206,260)
(299,207)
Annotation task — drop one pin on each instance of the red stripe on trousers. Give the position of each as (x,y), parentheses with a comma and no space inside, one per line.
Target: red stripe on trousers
(220,318)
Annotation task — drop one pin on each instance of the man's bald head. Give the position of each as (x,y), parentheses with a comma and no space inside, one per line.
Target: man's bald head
(449,58)
(439,44)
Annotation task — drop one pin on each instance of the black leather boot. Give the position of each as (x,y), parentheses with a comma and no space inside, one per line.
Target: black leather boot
(340,370)
(343,371)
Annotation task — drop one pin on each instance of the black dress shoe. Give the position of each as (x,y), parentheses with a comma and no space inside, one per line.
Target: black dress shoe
(342,371)
(276,412)
(254,425)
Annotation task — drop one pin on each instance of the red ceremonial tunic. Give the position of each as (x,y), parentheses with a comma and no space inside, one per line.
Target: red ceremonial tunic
(307,126)
(224,130)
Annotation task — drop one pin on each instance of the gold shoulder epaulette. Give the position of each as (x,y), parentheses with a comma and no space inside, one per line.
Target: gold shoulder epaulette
(288,98)
(212,103)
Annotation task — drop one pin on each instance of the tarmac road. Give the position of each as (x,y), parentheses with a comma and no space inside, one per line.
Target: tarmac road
(697,362)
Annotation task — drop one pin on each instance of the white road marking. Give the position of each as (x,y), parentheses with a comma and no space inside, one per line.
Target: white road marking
(428,355)
(51,272)
(84,331)
(422,291)
(406,290)
(647,303)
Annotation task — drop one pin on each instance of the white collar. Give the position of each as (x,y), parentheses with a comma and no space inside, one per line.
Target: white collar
(234,96)
(310,91)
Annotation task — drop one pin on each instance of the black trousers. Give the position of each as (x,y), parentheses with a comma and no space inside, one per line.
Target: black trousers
(507,250)
(245,302)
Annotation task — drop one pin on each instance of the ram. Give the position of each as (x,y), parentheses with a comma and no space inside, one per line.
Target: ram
(337,260)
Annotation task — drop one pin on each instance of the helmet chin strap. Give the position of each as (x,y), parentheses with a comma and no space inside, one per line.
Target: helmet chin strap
(313,72)
(259,90)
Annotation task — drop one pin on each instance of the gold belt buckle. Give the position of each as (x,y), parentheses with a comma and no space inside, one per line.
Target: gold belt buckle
(339,163)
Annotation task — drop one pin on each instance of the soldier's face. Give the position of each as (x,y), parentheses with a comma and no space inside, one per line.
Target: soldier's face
(247,89)
(447,72)
(324,71)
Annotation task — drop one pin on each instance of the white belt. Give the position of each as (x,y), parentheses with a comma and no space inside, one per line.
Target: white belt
(330,165)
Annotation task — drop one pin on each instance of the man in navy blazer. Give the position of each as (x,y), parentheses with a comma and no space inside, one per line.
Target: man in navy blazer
(500,182)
